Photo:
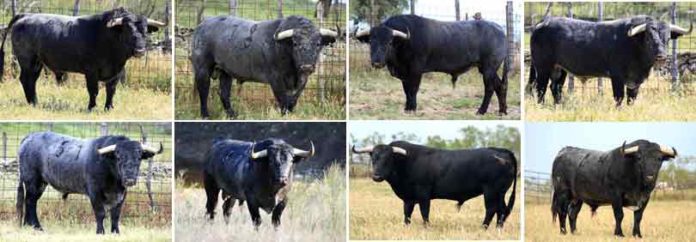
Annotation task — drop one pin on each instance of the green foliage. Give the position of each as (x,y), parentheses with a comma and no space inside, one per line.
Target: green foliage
(361,9)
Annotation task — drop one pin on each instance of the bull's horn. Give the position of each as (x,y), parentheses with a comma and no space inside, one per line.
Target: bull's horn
(285,34)
(107,149)
(631,150)
(398,150)
(152,149)
(152,22)
(260,154)
(362,33)
(363,150)
(399,34)
(114,22)
(328,32)
(668,150)
(680,30)
(636,30)
(304,153)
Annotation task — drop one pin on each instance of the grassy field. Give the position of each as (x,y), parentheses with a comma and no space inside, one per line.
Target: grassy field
(146,94)
(377,214)
(315,212)
(656,102)
(662,221)
(61,232)
(374,94)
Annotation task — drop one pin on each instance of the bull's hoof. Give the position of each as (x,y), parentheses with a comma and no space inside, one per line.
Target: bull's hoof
(563,231)
(502,113)
(231,114)
(108,108)
(480,113)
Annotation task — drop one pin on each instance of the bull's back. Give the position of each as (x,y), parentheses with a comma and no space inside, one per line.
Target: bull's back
(225,163)
(464,173)
(59,160)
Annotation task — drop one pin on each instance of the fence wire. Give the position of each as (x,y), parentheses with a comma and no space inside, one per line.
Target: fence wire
(593,11)
(360,52)
(137,201)
(326,84)
(151,71)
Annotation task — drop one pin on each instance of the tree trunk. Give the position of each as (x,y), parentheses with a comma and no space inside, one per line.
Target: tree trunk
(456,10)
(167,48)
(233,7)
(14,8)
(199,15)
(413,7)
(571,79)
(675,72)
(76,8)
(280,8)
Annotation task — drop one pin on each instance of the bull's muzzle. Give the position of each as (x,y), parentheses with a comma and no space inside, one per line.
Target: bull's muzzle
(378,65)
(139,53)
(283,181)
(377,178)
(307,68)
(129,182)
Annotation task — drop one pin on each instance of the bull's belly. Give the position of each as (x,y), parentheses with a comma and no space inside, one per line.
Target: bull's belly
(458,195)
(583,71)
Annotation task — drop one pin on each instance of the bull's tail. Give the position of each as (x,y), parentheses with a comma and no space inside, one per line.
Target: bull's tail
(20,201)
(506,69)
(554,206)
(532,79)
(511,200)
(2,44)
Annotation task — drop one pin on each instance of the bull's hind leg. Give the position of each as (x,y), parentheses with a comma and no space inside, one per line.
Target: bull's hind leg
(500,210)
(575,207)
(34,190)
(557,85)
(202,78)
(490,199)
(277,213)
(31,70)
(225,88)
(424,206)
(227,206)
(211,191)
(542,82)
(490,82)
(563,204)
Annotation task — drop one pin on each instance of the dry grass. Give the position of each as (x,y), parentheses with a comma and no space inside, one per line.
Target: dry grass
(315,212)
(656,102)
(377,214)
(61,232)
(662,221)
(374,94)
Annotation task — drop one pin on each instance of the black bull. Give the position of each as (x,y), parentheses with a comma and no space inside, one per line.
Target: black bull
(97,46)
(101,168)
(281,53)
(418,174)
(624,50)
(410,45)
(259,173)
(622,177)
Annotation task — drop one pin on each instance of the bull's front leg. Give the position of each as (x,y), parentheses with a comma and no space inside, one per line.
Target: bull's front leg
(277,213)
(110,91)
(617,88)
(637,217)
(116,215)
(93,90)
(617,206)
(254,212)
(99,213)
(411,85)
(424,206)
(632,94)
(408,210)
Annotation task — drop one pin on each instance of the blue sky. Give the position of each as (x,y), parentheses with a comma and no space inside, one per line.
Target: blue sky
(542,141)
(445,129)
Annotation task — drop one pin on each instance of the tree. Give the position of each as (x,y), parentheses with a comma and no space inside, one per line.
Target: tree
(363,11)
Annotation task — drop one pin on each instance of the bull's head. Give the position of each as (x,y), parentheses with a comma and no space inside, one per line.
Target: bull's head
(127,156)
(647,158)
(280,158)
(383,159)
(132,30)
(655,36)
(305,42)
(382,40)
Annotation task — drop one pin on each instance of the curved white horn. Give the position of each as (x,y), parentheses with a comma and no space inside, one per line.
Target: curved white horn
(667,150)
(259,154)
(285,34)
(399,34)
(328,32)
(155,23)
(304,153)
(362,33)
(398,150)
(636,30)
(107,149)
(631,150)
(114,22)
(363,150)
(152,149)
(675,28)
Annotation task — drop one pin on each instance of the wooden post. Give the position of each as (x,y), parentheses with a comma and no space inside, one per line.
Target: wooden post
(320,66)
(674,68)
(600,17)
(571,79)
(372,13)
(167,48)
(103,129)
(199,15)
(148,181)
(4,147)
(413,7)
(456,10)
(509,23)
(280,8)
(76,8)
(233,7)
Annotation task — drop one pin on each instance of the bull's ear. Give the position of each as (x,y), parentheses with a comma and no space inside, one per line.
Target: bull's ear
(364,38)
(297,159)
(151,28)
(327,40)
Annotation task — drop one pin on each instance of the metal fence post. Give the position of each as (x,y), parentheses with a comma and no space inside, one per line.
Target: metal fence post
(600,17)
(675,72)
(280,8)
(233,7)
(103,129)
(148,181)
(320,70)
(509,25)
(571,79)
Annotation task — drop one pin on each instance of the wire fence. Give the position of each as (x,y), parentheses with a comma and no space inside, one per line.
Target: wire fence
(152,71)
(678,72)
(326,85)
(156,174)
(508,15)
(538,187)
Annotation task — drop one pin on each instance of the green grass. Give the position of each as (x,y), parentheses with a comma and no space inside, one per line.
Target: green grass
(377,214)
(315,212)
(374,94)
